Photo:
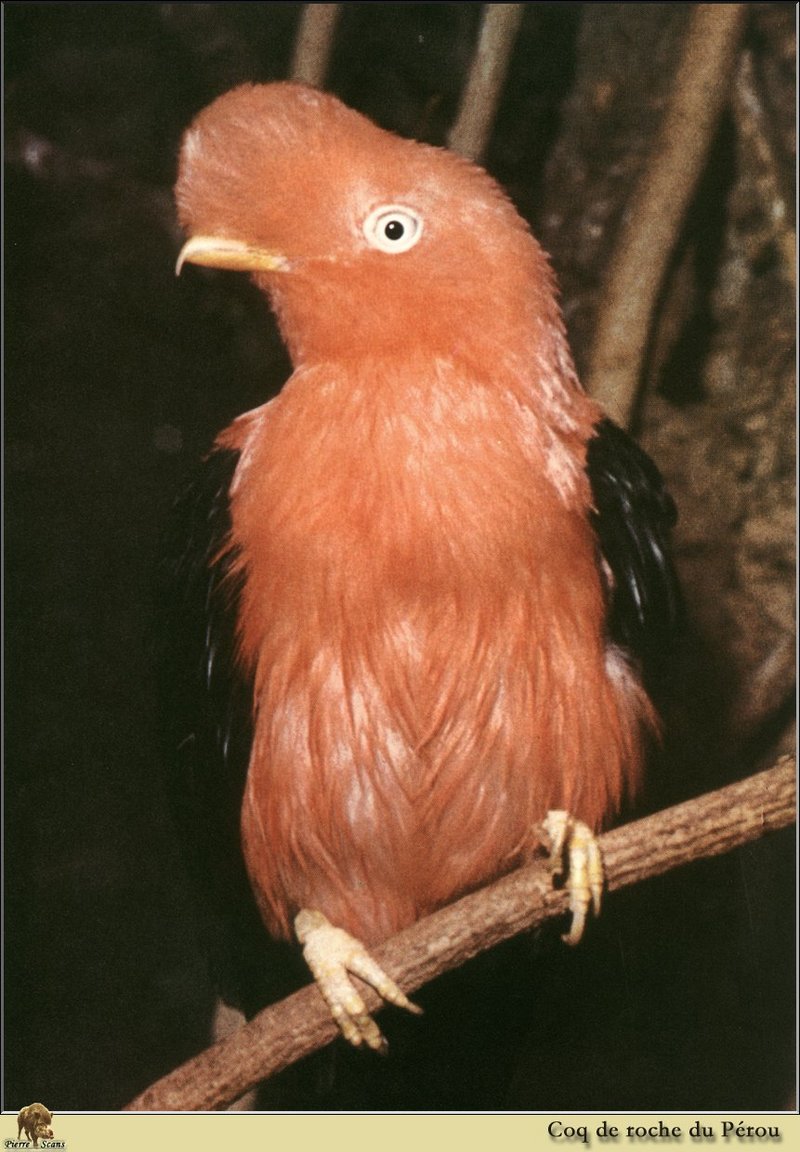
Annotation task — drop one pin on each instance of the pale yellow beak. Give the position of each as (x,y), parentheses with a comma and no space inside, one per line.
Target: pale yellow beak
(217,252)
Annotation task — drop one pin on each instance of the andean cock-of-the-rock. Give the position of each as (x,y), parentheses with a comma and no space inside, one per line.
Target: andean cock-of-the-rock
(432,574)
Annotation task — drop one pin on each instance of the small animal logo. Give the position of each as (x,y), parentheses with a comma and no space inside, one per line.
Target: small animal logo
(36,1120)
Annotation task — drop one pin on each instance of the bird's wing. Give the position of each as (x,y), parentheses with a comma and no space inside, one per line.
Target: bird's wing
(632,517)
(207,707)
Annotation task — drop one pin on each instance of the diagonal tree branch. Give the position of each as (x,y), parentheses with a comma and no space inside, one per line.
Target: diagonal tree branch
(707,826)
(654,217)
(499,26)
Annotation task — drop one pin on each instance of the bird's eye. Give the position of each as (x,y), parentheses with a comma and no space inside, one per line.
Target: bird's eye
(393,228)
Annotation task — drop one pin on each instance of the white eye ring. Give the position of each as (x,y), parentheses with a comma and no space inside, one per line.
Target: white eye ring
(392,228)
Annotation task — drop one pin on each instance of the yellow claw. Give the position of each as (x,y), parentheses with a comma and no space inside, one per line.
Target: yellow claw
(585,876)
(331,953)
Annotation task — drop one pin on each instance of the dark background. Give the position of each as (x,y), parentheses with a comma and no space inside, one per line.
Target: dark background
(117,377)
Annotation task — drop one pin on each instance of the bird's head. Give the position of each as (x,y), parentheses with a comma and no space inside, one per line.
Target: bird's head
(365,242)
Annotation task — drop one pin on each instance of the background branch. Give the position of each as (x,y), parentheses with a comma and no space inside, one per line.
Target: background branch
(282,1034)
(754,129)
(314,43)
(655,215)
(499,26)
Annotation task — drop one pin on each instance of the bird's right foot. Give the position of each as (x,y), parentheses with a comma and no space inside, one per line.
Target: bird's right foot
(331,953)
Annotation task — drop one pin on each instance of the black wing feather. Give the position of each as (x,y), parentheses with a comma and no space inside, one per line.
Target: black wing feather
(633,517)
(207,705)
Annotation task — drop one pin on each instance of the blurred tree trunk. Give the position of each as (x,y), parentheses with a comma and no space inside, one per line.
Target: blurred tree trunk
(718,404)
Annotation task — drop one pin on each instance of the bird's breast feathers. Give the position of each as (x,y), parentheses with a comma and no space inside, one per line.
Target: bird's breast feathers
(415,456)
(423,614)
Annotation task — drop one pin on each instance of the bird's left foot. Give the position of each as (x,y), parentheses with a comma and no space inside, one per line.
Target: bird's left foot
(331,953)
(573,842)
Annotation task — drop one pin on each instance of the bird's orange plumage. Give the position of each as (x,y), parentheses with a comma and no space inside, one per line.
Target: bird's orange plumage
(422,606)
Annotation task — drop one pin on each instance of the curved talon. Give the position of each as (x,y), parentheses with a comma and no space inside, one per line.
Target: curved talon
(331,953)
(575,840)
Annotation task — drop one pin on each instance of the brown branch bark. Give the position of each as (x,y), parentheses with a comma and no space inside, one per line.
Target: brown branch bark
(499,26)
(707,826)
(314,44)
(753,126)
(654,217)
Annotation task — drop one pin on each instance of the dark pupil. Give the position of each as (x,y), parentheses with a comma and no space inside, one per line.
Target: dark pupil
(394,230)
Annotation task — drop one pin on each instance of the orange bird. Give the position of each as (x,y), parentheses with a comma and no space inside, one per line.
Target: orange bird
(439,570)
